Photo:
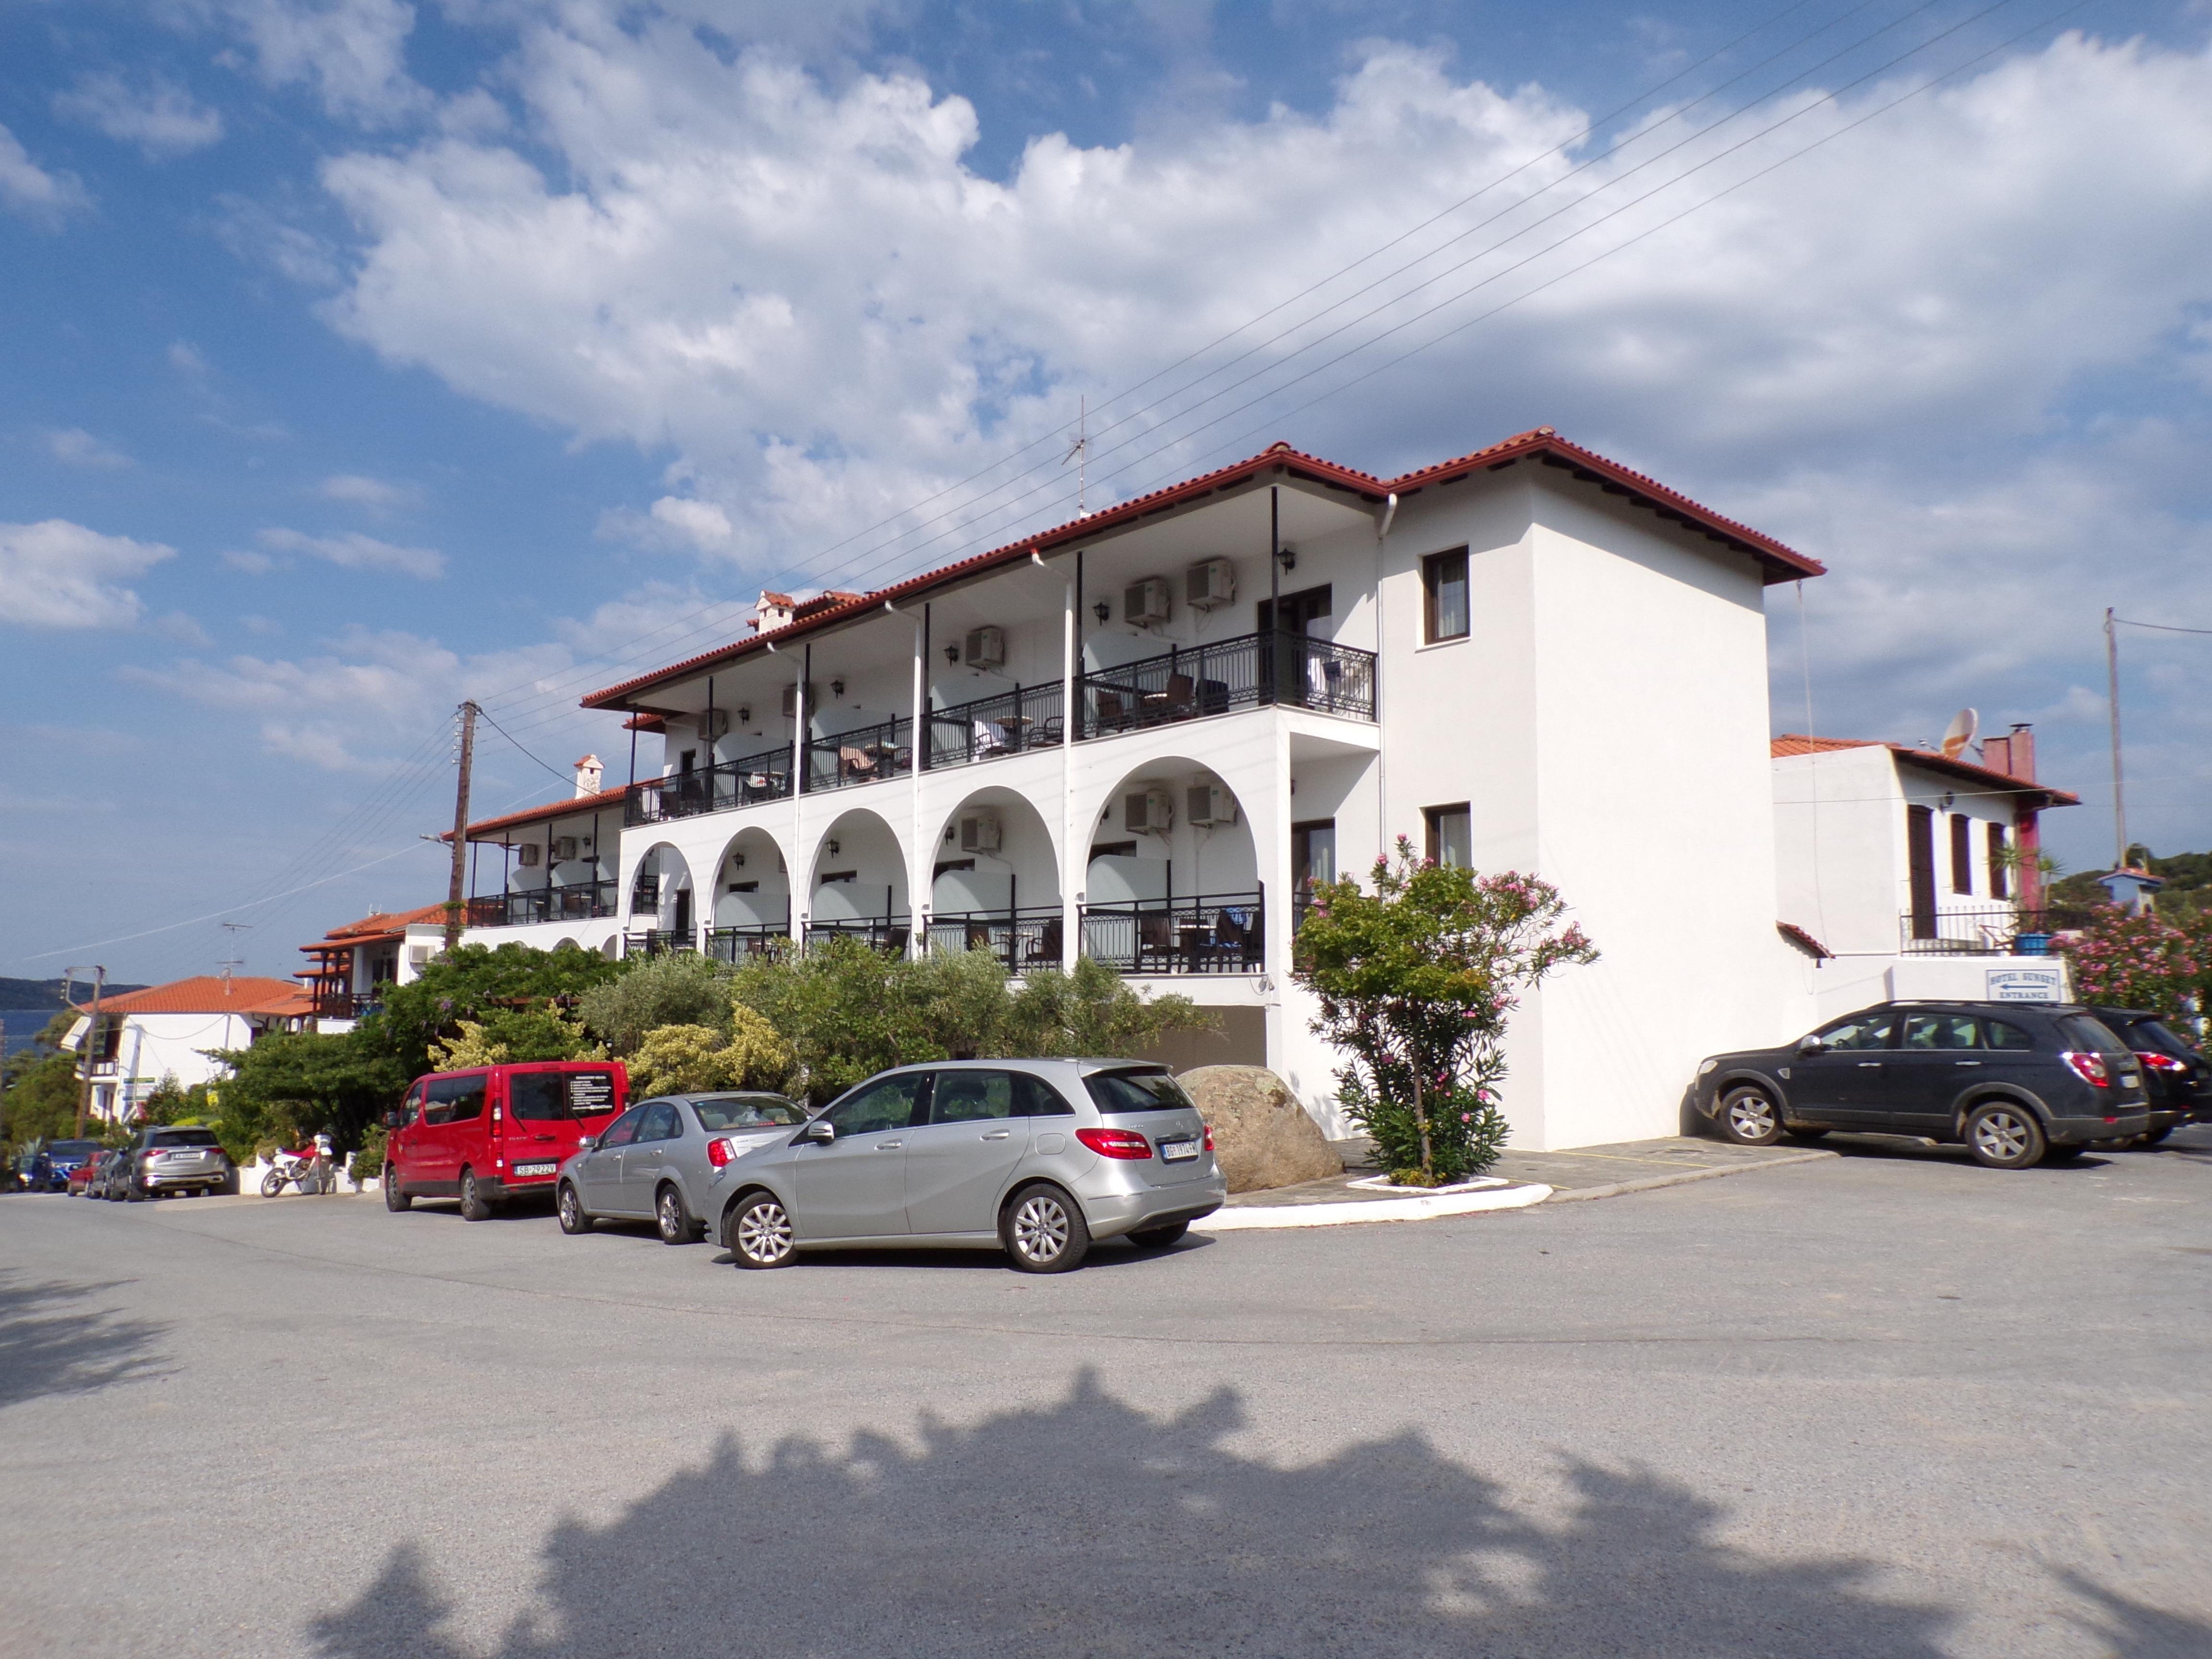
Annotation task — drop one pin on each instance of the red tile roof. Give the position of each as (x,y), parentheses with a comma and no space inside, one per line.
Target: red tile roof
(1793,743)
(558,809)
(1543,444)
(210,993)
(378,925)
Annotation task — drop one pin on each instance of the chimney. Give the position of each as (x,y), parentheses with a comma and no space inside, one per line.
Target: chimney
(2014,754)
(774,611)
(588,775)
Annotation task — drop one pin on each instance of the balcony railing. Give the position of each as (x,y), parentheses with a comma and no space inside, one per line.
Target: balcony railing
(759,777)
(1210,933)
(581,901)
(1250,671)
(1989,931)
(865,755)
(657,942)
(735,945)
(889,935)
(1024,939)
(1027,717)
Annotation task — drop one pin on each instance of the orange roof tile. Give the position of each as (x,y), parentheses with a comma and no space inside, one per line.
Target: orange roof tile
(1796,743)
(559,809)
(210,993)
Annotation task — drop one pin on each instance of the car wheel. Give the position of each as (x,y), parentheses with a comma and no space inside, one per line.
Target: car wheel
(2004,1136)
(1749,1118)
(394,1199)
(1159,1238)
(473,1207)
(671,1215)
(759,1233)
(570,1208)
(1043,1231)
(2154,1136)
(271,1184)
(134,1194)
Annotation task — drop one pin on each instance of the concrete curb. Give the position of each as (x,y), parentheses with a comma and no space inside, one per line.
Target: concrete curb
(1253,1217)
(1648,1182)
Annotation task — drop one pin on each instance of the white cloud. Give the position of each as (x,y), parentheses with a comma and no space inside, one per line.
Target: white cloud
(261,239)
(29,189)
(246,560)
(361,490)
(187,359)
(352,551)
(78,447)
(59,574)
(157,115)
(352,53)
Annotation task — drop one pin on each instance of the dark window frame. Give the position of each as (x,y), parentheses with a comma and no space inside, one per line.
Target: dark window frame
(1433,817)
(1962,854)
(1435,574)
(1999,846)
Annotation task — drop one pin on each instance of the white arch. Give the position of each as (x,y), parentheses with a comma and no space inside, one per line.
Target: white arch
(857,878)
(671,873)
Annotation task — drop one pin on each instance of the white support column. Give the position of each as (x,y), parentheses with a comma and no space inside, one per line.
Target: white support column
(1274,861)
(1071,868)
(919,859)
(801,881)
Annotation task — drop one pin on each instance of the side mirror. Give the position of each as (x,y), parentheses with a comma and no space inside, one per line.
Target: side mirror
(820,1131)
(1808,1047)
(588,1143)
(395,1120)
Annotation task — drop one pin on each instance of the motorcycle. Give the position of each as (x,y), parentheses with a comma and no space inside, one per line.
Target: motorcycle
(309,1170)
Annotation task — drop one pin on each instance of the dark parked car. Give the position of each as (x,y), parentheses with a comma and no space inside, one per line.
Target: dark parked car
(52,1164)
(2015,1082)
(2176,1077)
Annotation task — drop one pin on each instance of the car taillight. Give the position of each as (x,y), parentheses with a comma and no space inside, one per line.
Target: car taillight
(1116,1143)
(718,1152)
(2089,1067)
(2165,1063)
(1209,1137)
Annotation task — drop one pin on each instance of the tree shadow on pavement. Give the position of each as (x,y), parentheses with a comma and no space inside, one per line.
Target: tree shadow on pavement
(2133,1630)
(53,1341)
(1091,1528)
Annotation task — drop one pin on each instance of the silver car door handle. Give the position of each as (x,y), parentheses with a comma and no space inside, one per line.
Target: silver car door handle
(998,1135)
(1870,1065)
(889,1146)
(1965,1062)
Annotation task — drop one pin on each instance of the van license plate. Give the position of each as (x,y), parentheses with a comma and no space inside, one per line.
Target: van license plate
(535,1169)
(1178,1152)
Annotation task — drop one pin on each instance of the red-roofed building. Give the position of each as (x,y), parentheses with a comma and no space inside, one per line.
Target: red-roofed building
(169,1030)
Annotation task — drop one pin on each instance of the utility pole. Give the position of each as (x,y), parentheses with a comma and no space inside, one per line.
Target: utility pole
(2112,700)
(87,1050)
(456,908)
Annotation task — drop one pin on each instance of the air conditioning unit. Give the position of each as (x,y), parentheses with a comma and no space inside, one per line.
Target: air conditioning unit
(527,855)
(564,848)
(984,648)
(714,723)
(419,955)
(1146,602)
(790,700)
(1148,812)
(1208,583)
(979,833)
(1209,804)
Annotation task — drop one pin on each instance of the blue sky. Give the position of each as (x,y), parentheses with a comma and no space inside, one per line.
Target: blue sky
(362,357)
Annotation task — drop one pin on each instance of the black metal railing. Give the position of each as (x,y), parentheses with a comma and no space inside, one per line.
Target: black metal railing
(754,939)
(657,942)
(580,901)
(1248,672)
(885,934)
(865,755)
(1210,934)
(1989,930)
(759,777)
(1027,717)
(1024,939)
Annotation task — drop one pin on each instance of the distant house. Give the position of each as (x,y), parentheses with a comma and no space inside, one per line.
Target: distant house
(1905,872)
(169,1031)
(349,967)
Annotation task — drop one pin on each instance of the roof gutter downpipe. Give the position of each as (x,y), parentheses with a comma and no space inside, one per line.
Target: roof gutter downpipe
(1382,744)
(918,898)
(1070,929)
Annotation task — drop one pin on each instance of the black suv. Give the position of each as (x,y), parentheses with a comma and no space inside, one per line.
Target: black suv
(2015,1082)
(2176,1076)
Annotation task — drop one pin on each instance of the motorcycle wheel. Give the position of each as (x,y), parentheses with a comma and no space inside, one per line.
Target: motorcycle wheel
(271,1184)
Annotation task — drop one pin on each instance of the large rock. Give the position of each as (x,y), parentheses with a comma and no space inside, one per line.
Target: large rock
(1261,1133)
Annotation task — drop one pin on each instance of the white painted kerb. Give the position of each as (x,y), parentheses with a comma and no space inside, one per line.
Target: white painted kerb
(1430,1207)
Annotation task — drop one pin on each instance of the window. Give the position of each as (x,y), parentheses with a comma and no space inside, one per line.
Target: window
(1997,1034)
(659,1124)
(1451,836)
(973,1098)
(1941,1031)
(1444,596)
(1115,1092)
(1860,1031)
(1962,853)
(623,1129)
(1920,865)
(1038,1098)
(1313,856)
(2000,886)
(182,1138)
(747,1112)
(454,1099)
(889,1104)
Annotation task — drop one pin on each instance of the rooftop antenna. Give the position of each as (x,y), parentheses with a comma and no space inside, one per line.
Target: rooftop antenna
(1079,453)
(233,928)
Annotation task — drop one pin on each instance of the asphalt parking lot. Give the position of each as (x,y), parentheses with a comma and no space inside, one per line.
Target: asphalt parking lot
(1885,1404)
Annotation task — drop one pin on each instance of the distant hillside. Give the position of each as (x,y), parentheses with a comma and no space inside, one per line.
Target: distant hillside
(2188,881)
(46,993)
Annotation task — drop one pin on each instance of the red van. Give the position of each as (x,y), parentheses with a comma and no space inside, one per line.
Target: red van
(495,1132)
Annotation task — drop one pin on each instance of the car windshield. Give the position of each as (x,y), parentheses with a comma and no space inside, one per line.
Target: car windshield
(747,1112)
(1118,1092)
(548,1096)
(182,1138)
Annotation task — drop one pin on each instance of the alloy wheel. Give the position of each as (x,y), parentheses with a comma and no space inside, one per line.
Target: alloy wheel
(765,1233)
(1751,1116)
(1041,1228)
(672,1219)
(2000,1136)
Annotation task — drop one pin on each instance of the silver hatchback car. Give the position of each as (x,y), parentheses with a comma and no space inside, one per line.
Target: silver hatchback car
(1037,1158)
(658,1162)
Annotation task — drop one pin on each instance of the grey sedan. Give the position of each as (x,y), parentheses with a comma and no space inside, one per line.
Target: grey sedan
(1037,1158)
(658,1161)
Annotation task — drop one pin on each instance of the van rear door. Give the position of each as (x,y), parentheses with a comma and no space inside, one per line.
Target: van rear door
(549,1109)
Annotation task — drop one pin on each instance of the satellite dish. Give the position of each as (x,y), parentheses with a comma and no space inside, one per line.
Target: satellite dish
(1965,726)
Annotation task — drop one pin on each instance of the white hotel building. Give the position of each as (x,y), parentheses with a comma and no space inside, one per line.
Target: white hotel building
(1140,735)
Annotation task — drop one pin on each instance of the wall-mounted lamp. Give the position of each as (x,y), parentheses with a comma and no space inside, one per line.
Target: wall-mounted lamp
(737,860)
(745,715)
(1287,558)
(949,833)
(836,688)
(1945,803)
(953,653)
(830,847)
(1102,611)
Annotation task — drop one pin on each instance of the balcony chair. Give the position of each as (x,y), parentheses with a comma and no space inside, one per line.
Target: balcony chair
(1156,940)
(987,737)
(1108,712)
(855,765)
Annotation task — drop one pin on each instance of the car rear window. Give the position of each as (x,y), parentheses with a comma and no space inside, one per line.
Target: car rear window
(549,1097)
(2079,1031)
(72,1148)
(1116,1093)
(182,1138)
(2156,1036)
(752,1112)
